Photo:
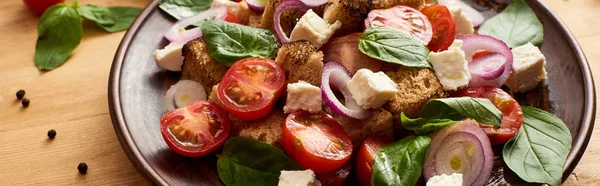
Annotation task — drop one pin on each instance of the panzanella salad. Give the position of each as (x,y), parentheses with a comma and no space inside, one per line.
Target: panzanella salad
(400,92)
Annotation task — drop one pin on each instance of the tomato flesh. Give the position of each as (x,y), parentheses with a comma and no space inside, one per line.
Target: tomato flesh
(251,87)
(443,25)
(344,50)
(402,18)
(232,18)
(337,177)
(512,115)
(366,157)
(40,6)
(316,141)
(195,130)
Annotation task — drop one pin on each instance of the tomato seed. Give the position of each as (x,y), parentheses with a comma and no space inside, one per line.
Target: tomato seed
(51,133)
(20,94)
(82,167)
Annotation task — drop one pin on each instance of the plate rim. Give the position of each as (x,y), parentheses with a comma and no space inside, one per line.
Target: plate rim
(143,167)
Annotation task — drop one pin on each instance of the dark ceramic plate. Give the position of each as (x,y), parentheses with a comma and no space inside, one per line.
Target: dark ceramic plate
(136,87)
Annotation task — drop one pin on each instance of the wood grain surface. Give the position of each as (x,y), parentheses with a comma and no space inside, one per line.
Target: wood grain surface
(73,100)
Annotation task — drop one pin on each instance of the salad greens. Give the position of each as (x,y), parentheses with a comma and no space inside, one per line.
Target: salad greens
(401,162)
(422,126)
(230,42)
(251,162)
(393,46)
(458,108)
(516,25)
(111,19)
(539,150)
(59,32)
(184,8)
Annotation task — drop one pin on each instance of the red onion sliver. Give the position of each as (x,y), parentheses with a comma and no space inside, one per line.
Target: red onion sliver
(182,93)
(474,43)
(488,67)
(257,6)
(281,8)
(177,32)
(473,15)
(336,76)
(458,145)
(314,3)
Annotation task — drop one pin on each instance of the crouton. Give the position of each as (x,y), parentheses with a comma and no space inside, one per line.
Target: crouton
(267,129)
(379,123)
(416,87)
(350,12)
(254,20)
(384,4)
(301,61)
(199,66)
(287,19)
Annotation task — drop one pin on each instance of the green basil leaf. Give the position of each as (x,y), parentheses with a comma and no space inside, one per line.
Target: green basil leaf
(458,108)
(401,162)
(111,19)
(184,8)
(539,150)
(516,25)
(230,42)
(393,46)
(59,33)
(422,126)
(247,161)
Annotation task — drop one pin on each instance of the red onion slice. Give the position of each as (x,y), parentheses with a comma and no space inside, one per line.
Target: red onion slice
(178,33)
(182,93)
(281,8)
(488,67)
(474,43)
(336,76)
(473,15)
(464,141)
(314,3)
(257,6)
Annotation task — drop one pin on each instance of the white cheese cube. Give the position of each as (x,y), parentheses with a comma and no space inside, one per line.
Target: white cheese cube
(451,67)
(314,29)
(298,178)
(528,68)
(170,57)
(302,96)
(455,179)
(371,90)
(463,25)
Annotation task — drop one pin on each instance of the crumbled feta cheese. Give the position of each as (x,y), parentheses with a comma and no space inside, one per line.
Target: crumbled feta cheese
(528,68)
(170,57)
(298,178)
(463,25)
(451,67)
(371,90)
(455,179)
(314,29)
(302,96)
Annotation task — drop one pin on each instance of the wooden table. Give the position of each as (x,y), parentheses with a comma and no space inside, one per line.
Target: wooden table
(73,100)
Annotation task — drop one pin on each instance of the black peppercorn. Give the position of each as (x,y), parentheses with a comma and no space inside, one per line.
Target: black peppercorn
(25,102)
(82,167)
(20,94)
(51,133)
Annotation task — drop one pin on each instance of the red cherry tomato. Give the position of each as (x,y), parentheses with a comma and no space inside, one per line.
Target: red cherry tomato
(335,178)
(316,141)
(232,18)
(40,6)
(250,87)
(512,115)
(402,18)
(344,50)
(443,26)
(366,157)
(195,130)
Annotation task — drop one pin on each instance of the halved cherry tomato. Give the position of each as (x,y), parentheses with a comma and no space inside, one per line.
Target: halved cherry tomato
(402,18)
(195,130)
(335,178)
(250,88)
(40,6)
(366,157)
(512,115)
(316,141)
(344,50)
(232,18)
(443,25)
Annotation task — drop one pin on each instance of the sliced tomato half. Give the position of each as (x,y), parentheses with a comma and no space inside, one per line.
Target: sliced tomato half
(402,18)
(337,177)
(443,25)
(250,88)
(316,141)
(195,130)
(366,157)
